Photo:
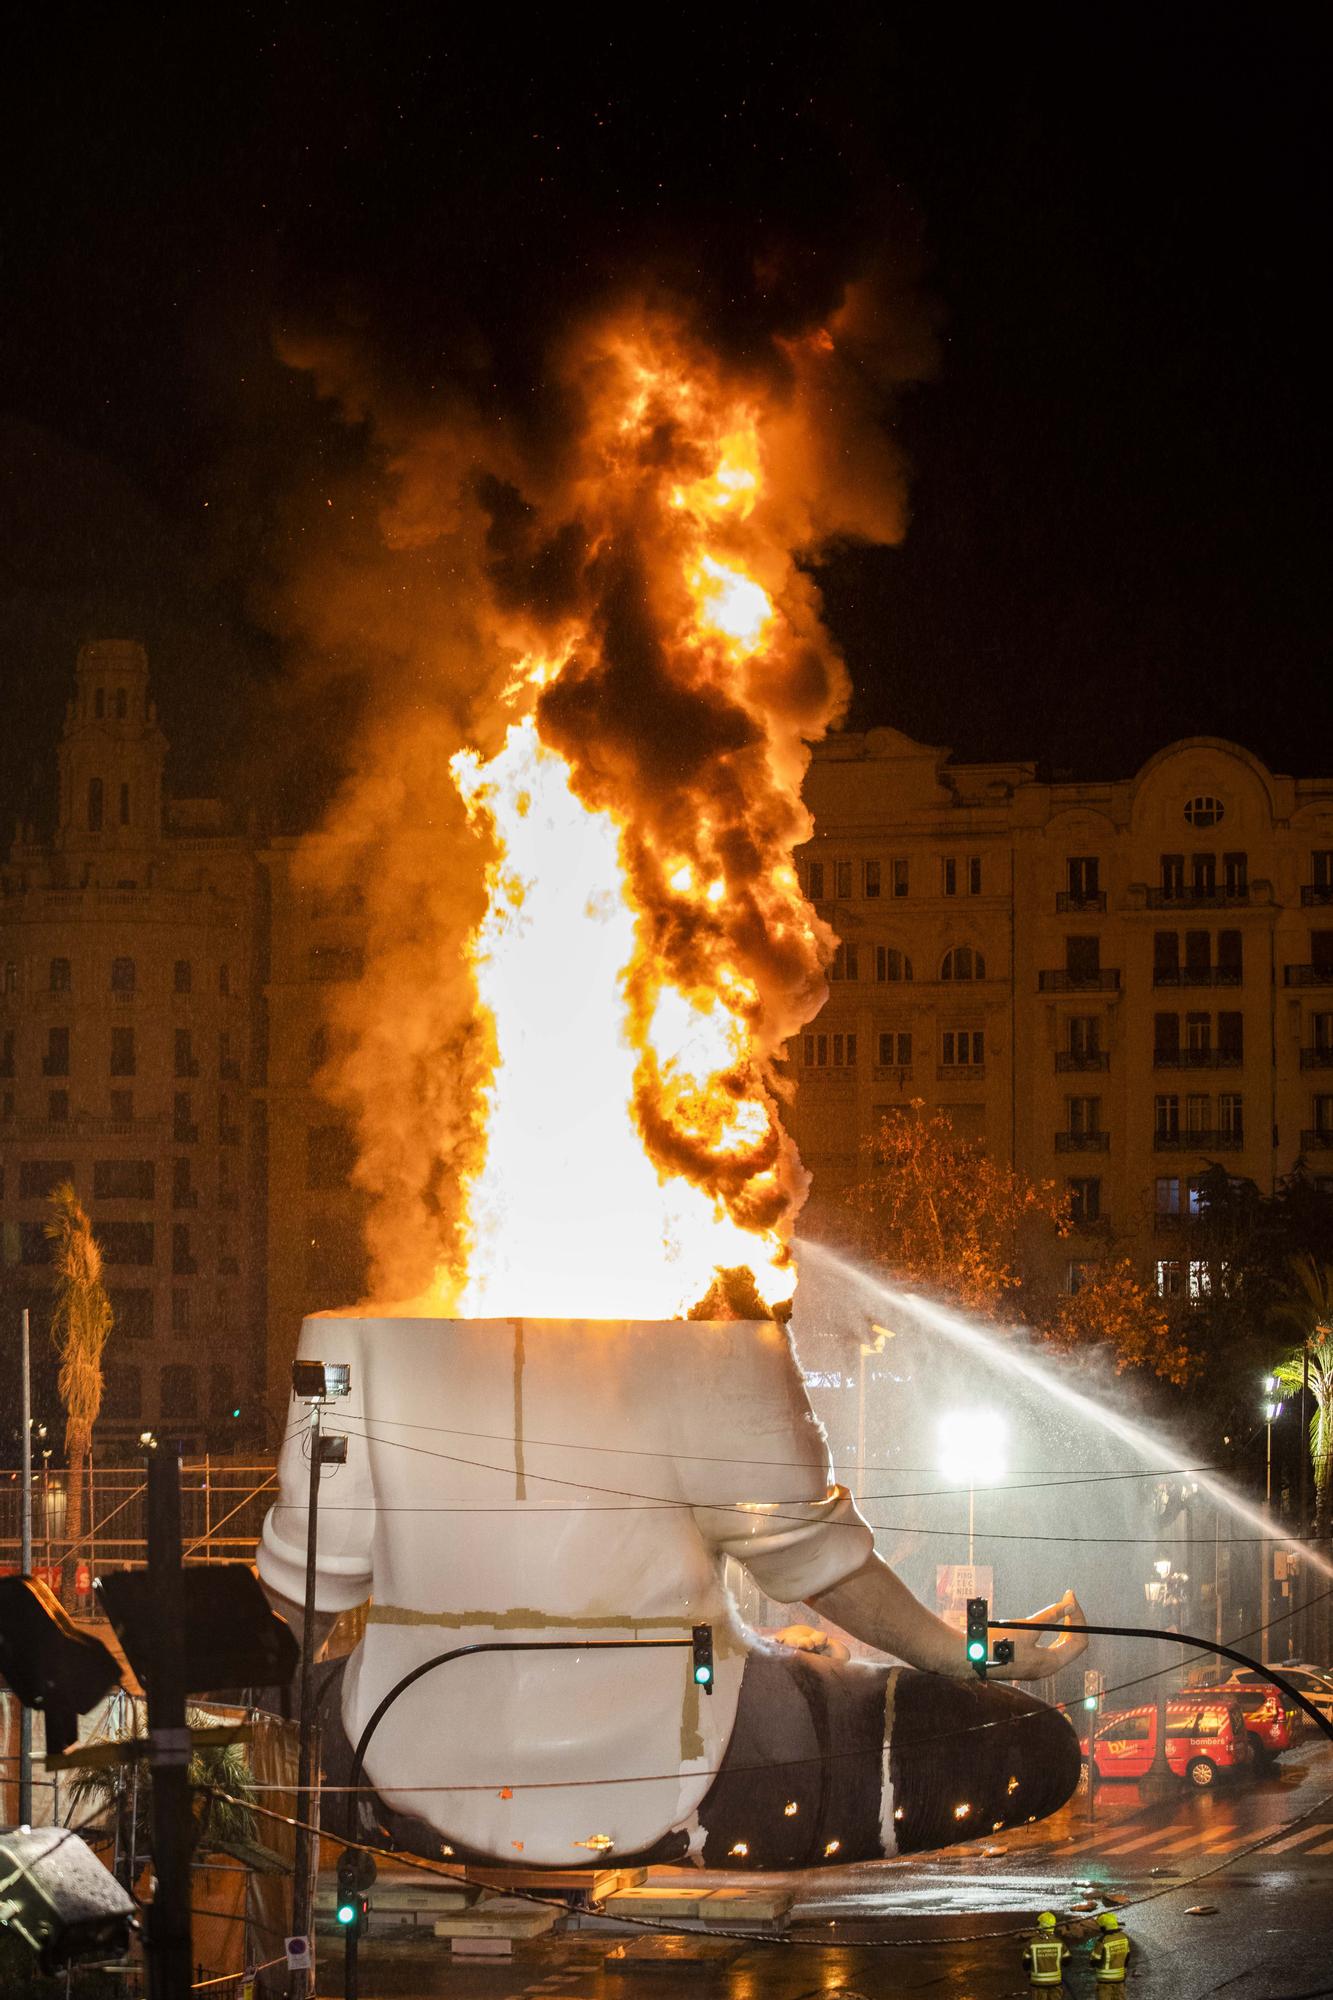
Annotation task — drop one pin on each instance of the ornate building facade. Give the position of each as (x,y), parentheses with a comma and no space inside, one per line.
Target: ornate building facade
(1114,985)
(129,1044)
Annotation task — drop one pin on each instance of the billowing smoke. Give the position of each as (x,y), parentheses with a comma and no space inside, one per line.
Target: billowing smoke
(623,556)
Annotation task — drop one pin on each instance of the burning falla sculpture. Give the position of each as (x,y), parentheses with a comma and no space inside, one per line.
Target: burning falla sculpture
(590,1403)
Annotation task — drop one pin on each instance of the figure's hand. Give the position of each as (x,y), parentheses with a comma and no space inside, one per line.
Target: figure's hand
(1032,1660)
(810,1639)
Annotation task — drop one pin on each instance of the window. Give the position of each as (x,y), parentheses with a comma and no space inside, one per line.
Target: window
(828,1052)
(1084,1037)
(317,1051)
(124,805)
(122,975)
(1199,1034)
(182,1193)
(1169,1278)
(1173,875)
(962,1047)
(963,963)
(331,1154)
(949,876)
(1231,1037)
(7,1052)
(1085,1199)
(182,978)
(1083,1116)
(94,805)
(1165,958)
(1231,1114)
(895,1049)
(60,977)
(1321,1030)
(132,1309)
(1229,959)
(1166,1116)
(229,1134)
(1205,811)
(126,1242)
(37,1178)
(179,1391)
(900,877)
(1235,874)
(183,1128)
(224,977)
(122,1397)
(845,964)
(120,704)
(1082,1271)
(123,1180)
(1082,874)
(185,1062)
(974,875)
(842,879)
(1321,870)
(1198,956)
(227,1064)
(122,1052)
(1199,1278)
(56,1060)
(1321,950)
(1322,1107)
(1198,1111)
(872,879)
(1083,960)
(1166,1190)
(122,1107)
(891,964)
(1203,874)
(1166,1038)
(180,1311)
(181,1261)
(814,882)
(57,1107)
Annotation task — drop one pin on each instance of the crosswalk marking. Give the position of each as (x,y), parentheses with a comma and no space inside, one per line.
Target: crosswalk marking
(1325,1847)
(1295,1839)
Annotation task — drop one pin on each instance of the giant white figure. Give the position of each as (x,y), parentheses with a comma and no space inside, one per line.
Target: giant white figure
(538,1479)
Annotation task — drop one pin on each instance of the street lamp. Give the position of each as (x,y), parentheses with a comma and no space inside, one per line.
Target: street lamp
(972,1448)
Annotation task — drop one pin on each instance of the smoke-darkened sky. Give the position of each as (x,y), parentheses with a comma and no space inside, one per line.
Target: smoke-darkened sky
(1112,227)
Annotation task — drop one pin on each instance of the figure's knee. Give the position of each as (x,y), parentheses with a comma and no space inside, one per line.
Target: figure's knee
(972,1757)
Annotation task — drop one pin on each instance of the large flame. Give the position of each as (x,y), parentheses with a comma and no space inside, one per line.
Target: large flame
(633,1149)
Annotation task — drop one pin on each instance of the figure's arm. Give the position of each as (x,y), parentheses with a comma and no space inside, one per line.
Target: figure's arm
(877,1608)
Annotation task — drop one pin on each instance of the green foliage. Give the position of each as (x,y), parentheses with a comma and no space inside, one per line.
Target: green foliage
(224,1765)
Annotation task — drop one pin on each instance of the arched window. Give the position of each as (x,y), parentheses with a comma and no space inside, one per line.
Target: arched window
(963,963)
(1205,810)
(891,963)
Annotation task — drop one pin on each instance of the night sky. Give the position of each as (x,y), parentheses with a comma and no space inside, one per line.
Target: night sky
(1115,226)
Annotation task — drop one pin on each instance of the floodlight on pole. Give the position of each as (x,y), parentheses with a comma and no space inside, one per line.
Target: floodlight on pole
(972,1449)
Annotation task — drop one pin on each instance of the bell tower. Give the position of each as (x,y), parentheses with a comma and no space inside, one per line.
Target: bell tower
(111,754)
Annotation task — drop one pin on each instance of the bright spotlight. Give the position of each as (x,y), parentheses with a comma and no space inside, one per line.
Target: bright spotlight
(972,1446)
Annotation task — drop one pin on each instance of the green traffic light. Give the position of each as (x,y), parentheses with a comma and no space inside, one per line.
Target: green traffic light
(976,1651)
(703,1675)
(1089,1701)
(346,1913)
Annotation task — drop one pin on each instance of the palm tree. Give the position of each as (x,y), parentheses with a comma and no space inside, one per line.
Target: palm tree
(217,1821)
(1310,1311)
(80,1323)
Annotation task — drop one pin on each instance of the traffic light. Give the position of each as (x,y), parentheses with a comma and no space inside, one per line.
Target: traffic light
(978,1634)
(356,1874)
(702,1641)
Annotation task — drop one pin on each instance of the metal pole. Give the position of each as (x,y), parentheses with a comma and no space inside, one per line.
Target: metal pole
(1266,1546)
(297,1983)
(25,1566)
(168,1739)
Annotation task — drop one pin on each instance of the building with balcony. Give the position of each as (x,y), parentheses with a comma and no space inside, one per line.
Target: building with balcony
(129,1046)
(1112,985)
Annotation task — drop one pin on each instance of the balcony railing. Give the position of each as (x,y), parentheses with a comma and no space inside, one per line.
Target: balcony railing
(1082,1142)
(1198,975)
(1308,975)
(959,1072)
(1189,898)
(1206,1139)
(1071,1059)
(1197,1058)
(1320,1140)
(1060,980)
(891,1073)
(1313,893)
(1079,899)
(1317,1058)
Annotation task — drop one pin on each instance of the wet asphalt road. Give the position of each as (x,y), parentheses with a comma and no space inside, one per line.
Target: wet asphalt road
(1256,1862)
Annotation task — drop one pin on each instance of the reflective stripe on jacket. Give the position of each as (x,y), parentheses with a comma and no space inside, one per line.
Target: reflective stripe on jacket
(1108,1956)
(1044,1957)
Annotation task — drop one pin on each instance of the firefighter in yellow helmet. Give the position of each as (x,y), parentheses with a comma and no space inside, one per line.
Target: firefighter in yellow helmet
(1044,1954)
(1109,1952)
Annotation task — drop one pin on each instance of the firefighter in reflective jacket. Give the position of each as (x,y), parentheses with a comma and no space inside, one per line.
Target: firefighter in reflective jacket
(1044,1953)
(1109,1952)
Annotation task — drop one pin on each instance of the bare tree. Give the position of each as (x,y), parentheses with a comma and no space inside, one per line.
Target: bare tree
(80,1323)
